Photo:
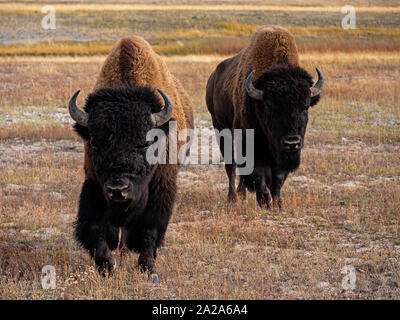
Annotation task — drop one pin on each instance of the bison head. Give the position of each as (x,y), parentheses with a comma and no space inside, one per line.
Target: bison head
(284,95)
(115,124)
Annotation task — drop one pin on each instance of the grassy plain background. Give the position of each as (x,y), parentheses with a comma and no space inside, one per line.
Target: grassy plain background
(342,207)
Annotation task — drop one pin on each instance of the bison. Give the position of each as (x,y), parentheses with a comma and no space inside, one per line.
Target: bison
(263,88)
(125,200)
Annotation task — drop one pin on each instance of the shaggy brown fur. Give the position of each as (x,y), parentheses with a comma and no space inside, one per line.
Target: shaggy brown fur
(269,46)
(133,61)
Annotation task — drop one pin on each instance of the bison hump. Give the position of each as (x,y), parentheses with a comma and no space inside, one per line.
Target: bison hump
(271,46)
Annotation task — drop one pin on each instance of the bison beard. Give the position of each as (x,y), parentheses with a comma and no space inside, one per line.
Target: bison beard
(290,161)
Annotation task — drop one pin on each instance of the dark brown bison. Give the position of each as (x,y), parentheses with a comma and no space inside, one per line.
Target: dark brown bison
(263,88)
(125,200)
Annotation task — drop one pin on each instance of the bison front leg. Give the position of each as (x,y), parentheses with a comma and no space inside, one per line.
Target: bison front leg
(230,168)
(263,193)
(151,230)
(91,228)
(148,250)
(230,165)
(231,173)
(93,238)
(278,179)
(103,256)
(153,234)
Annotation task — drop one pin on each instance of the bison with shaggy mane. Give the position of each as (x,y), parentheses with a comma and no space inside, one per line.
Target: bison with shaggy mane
(264,88)
(126,201)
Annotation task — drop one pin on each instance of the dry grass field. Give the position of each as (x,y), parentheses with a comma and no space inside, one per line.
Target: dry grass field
(342,207)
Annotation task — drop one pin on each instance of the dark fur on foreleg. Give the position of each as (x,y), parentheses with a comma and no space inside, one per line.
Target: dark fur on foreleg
(92,230)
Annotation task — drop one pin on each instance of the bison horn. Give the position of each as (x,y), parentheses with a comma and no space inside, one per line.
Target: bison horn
(251,90)
(165,114)
(77,114)
(317,87)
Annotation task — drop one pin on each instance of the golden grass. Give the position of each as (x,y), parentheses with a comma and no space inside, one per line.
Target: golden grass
(57,48)
(206,46)
(31,131)
(223,38)
(231,28)
(63,58)
(327,57)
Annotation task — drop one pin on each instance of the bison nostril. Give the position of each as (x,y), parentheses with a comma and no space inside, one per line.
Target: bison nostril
(117,191)
(291,143)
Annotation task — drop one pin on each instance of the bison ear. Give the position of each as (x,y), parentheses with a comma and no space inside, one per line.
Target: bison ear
(314,100)
(82,131)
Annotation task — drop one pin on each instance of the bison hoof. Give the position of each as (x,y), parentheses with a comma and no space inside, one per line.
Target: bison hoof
(106,265)
(146,263)
(277,203)
(264,199)
(232,197)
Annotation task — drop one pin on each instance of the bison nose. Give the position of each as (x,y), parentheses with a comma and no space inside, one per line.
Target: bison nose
(117,192)
(291,143)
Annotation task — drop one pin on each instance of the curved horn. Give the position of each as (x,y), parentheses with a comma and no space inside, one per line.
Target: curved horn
(251,90)
(317,87)
(77,114)
(165,114)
